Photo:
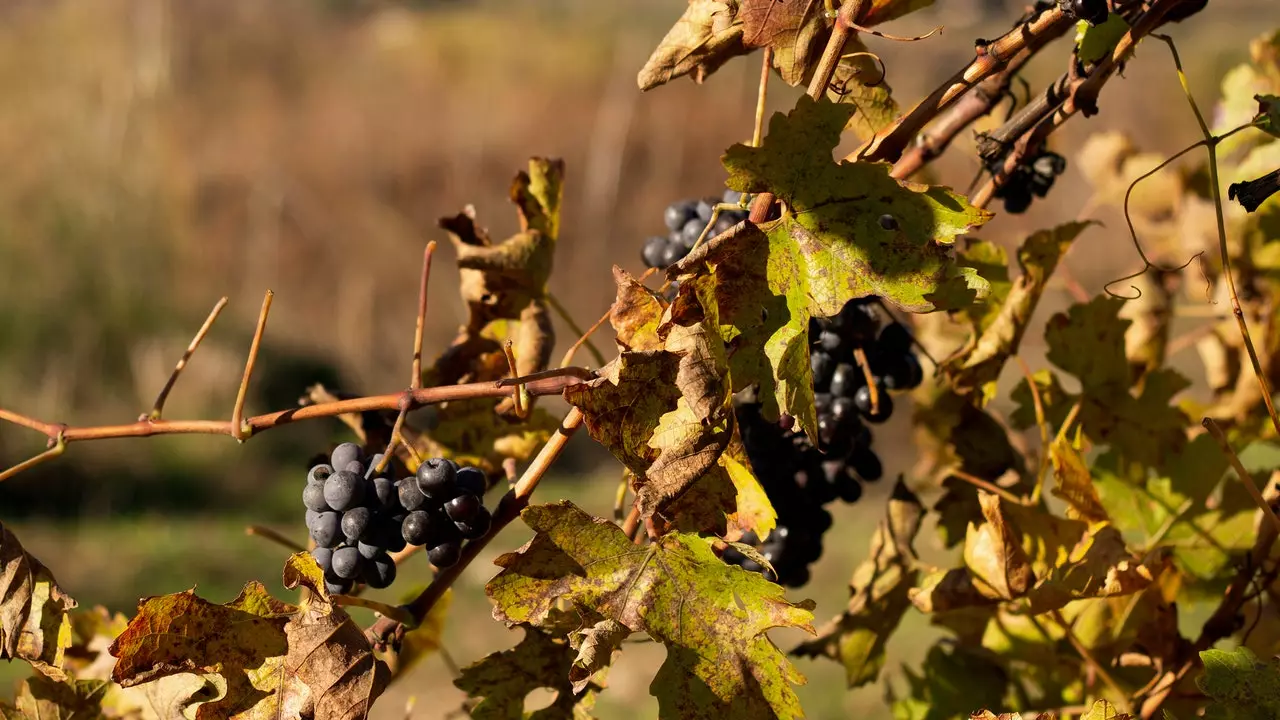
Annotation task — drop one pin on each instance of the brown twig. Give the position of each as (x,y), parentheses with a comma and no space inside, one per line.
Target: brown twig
(415,382)
(762,96)
(1120,698)
(987,485)
(263,531)
(510,507)
(865,364)
(573,349)
(632,523)
(237,411)
(575,328)
(1245,477)
(158,406)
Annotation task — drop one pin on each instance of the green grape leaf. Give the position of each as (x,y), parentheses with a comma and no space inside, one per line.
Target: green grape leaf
(503,679)
(720,661)
(990,261)
(831,229)
(879,595)
(1000,328)
(34,622)
(707,35)
(266,658)
(1088,342)
(1094,42)
(1268,117)
(858,82)
(1055,401)
(1241,686)
(1104,710)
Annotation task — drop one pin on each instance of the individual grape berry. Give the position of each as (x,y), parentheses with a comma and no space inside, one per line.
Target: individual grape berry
(472,480)
(477,526)
(653,250)
(368,551)
(327,529)
(1093,12)
(343,490)
(888,222)
(313,497)
(463,508)
(355,523)
(411,498)
(843,409)
(379,571)
(384,494)
(1016,195)
(437,479)
(846,379)
(862,398)
(311,518)
(905,374)
(346,562)
(345,454)
(391,536)
(445,555)
(849,488)
(338,588)
(691,231)
(706,206)
(1049,164)
(894,339)
(867,465)
(319,473)
(822,367)
(416,528)
(323,557)
(673,253)
(677,214)
(831,342)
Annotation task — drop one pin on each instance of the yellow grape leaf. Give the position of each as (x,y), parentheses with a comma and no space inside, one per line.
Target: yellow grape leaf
(34,622)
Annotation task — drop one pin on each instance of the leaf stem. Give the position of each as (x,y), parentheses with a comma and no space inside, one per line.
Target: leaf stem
(987,485)
(1121,699)
(575,328)
(158,406)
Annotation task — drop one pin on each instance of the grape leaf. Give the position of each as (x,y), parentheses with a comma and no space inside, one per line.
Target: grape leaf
(1053,398)
(1241,686)
(267,658)
(994,555)
(596,646)
(34,623)
(858,82)
(831,226)
(857,638)
(1088,342)
(953,681)
(1094,42)
(503,679)
(704,38)
(635,314)
(42,698)
(990,261)
(797,31)
(1099,566)
(1074,483)
(1268,117)
(1104,710)
(720,661)
(1001,328)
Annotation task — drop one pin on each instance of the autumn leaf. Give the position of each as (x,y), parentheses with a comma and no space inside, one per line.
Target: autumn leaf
(1094,42)
(879,593)
(1099,566)
(858,82)
(704,38)
(797,30)
(34,623)
(502,680)
(953,681)
(1000,329)
(994,555)
(720,661)
(1074,483)
(273,658)
(42,698)
(596,646)
(635,314)
(1104,710)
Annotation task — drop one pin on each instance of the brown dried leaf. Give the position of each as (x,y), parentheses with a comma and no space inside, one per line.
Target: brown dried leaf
(596,646)
(1099,566)
(797,31)
(34,624)
(704,38)
(636,314)
(994,555)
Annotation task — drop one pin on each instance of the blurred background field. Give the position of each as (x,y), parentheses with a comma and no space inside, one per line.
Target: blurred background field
(159,154)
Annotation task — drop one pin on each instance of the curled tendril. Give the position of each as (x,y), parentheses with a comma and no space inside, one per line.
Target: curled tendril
(896,38)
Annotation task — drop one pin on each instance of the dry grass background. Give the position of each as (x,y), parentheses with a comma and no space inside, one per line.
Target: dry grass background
(161,153)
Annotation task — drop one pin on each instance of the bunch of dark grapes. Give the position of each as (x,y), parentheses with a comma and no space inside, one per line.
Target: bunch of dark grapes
(1032,178)
(685,222)
(801,479)
(357,516)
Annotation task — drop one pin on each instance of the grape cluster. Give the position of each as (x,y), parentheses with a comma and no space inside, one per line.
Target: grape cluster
(685,222)
(1034,177)
(801,479)
(357,515)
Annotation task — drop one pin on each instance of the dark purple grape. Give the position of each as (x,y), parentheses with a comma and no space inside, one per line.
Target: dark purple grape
(346,563)
(355,522)
(445,555)
(343,490)
(416,528)
(323,557)
(318,474)
(867,465)
(677,214)
(477,526)
(691,231)
(673,253)
(437,479)
(345,454)
(862,398)
(341,587)
(849,488)
(357,468)
(368,551)
(472,480)
(463,508)
(311,518)
(846,379)
(384,494)
(379,572)
(313,497)
(831,342)
(894,339)
(327,529)
(411,498)
(706,206)
(1016,196)
(905,374)
(822,366)
(843,409)
(653,251)
(888,222)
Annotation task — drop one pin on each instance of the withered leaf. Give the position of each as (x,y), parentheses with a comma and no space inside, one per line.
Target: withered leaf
(1074,483)
(596,646)
(994,555)
(704,38)
(502,680)
(636,314)
(34,624)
